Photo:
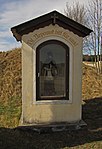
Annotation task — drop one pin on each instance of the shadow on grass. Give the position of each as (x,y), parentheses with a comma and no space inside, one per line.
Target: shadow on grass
(92,115)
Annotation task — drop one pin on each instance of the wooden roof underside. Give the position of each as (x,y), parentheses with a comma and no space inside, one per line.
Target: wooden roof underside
(53,17)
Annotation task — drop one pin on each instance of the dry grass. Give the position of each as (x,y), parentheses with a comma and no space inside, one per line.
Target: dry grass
(10,74)
(10,88)
(91,83)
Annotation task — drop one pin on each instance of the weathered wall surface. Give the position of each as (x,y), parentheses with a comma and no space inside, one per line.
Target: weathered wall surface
(50,111)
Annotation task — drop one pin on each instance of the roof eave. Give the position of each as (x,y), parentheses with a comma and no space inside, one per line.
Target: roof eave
(67,23)
(16,35)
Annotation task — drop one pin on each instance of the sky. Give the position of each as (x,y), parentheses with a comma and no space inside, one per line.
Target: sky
(14,12)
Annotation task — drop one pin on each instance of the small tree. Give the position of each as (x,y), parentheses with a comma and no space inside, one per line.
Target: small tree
(76,12)
(95,23)
(91,16)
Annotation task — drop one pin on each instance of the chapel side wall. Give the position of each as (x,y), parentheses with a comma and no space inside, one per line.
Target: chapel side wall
(47,112)
(27,79)
(77,77)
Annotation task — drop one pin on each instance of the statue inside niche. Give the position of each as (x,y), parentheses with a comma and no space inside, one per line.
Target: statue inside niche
(49,71)
(49,68)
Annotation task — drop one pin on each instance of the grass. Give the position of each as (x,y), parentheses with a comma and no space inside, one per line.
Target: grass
(91,138)
(10,112)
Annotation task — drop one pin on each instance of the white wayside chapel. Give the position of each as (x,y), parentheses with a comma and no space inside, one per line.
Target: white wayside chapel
(51,69)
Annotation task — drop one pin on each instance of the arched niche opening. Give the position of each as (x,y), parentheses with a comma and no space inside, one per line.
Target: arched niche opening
(52,71)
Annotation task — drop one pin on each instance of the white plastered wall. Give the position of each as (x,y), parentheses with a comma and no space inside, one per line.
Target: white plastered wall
(34,112)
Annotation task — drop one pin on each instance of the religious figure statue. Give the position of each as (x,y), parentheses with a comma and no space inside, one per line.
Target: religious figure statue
(49,68)
(49,71)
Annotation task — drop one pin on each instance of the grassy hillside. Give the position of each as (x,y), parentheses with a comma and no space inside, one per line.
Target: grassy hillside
(10,87)
(91,83)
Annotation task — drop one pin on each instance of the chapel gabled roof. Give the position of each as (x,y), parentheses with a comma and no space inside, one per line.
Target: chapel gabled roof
(53,17)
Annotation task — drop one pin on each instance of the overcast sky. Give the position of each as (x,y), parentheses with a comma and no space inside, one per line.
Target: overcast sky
(13,12)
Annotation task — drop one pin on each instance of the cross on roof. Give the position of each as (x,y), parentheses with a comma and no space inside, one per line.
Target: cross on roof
(54,17)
